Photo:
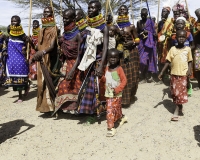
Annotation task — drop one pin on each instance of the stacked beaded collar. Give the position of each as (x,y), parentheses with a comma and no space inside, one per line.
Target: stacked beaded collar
(36,31)
(81,24)
(48,22)
(16,30)
(123,21)
(97,22)
(71,31)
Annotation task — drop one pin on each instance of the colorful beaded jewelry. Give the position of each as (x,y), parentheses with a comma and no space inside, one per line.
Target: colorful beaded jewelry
(71,31)
(123,21)
(48,22)
(81,24)
(97,22)
(16,30)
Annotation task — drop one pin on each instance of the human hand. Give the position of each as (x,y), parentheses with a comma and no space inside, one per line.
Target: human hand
(99,71)
(160,76)
(70,75)
(188,74)
(38,56)
(129,44)
(4,53)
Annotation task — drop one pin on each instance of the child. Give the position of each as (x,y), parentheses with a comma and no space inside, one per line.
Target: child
(115,83)
(112,33)
(180,57)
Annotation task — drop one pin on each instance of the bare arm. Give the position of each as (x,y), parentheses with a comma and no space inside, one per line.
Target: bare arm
(71,73)
(163,70)
(99,71)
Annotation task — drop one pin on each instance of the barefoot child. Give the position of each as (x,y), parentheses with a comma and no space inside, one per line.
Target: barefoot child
(115,83)
(180,57)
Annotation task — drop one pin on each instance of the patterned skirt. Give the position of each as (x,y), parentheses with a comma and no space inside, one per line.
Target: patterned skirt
(67,95)
(131,70)
(114,110)
(178,86)
(92,93)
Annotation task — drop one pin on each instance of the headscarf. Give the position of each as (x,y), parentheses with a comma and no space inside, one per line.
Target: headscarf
(181,18)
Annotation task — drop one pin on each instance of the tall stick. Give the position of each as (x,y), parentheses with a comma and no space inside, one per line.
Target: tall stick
(61,15)
(158,15)
(107,3)
(132,18)
(187,9)
(29,27)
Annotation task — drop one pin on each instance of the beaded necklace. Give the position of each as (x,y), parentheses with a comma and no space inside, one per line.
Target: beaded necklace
(71,31)
(36,31)
(48,22)
(97,22)
(123,21)
(16,30)
(81,24)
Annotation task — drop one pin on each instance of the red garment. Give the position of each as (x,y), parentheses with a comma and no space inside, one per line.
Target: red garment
(178,86)
(33,66)
(114,110)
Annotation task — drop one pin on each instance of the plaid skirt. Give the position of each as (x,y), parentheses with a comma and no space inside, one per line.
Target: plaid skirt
(178,86)
(131,70)
(114,110)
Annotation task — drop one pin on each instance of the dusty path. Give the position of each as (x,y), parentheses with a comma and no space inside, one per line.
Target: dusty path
(149,135)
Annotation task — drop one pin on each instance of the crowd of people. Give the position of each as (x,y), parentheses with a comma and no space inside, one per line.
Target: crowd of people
(96,64)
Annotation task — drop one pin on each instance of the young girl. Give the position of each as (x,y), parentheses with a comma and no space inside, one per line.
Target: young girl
(180,57)
(115,83)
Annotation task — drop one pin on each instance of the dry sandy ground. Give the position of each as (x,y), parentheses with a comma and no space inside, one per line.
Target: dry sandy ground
(149,134)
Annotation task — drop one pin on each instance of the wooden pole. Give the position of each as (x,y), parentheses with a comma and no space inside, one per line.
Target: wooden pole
(187,9)
(61,15)
(29,28)
(158,15)
(132,18)
(107,3)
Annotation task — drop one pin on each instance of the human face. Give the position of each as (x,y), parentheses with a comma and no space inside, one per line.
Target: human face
(67,18)
(122,11)
(79,15)
(113,58)
(181,38)
(180,24)
(109,19)
(112,31)
(164,13)
(15,22)
(176,14)
(198,14)
(35,25)
(47,12)
(93,10)
(144,15)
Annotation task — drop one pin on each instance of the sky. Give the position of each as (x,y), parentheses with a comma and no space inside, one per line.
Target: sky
(8,9)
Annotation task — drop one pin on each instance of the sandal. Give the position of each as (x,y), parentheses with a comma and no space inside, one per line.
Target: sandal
(19,101)
(196,89)
(123,120)
(174,119)
(111,132)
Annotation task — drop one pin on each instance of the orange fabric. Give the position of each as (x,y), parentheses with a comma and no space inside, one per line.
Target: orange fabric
(114,110)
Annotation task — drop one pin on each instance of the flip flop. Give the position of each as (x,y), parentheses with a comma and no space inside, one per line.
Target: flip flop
(174,119)
(196,89)
(19,101)
(111,132)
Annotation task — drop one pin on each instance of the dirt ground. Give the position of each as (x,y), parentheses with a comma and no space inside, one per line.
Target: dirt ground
(149,134)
